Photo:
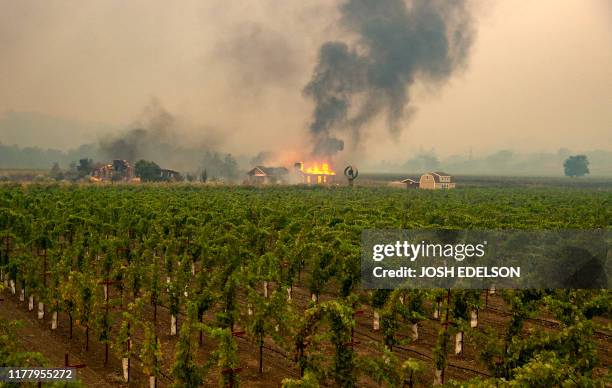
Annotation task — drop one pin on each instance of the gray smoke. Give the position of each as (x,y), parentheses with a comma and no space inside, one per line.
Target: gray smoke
(255,57)
(154,131)
(397,43)
(159,136)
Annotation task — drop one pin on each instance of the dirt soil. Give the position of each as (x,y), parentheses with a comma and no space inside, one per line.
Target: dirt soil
(36,335)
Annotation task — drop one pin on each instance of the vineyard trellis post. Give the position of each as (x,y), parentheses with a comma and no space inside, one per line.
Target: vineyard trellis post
(106,287)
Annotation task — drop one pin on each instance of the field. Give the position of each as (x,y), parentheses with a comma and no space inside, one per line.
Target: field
(501,181)
(260,287)
(22,174)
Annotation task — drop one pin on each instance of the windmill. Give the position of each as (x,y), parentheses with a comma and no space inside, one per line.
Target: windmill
(351,174)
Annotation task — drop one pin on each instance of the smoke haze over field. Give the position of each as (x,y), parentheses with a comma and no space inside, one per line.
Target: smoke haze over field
(244,77)
(426,39)
(161,136)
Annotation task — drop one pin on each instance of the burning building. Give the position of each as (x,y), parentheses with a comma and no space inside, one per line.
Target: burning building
(317,174)
(118,170)
(267,175)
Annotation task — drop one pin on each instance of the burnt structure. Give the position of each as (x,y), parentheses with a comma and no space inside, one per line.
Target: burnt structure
(169,175)
(118,170)
(315,175)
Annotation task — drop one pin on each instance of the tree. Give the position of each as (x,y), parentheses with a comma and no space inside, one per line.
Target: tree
(86,304)
(269,315)
(151,354)
(85,167)
(173,291)
(500,159)
(147,171)
(390,371)
(308,381)
(401,306)
(340,318)
(10,354)
(225,357)
(548,369)
(423,162)
(56,172)
(220,166)
(55,295)
(123,342)
(203,298)
(502,354)
(70,294)
(185,370)
(577,165)
(154,287)
(226,318)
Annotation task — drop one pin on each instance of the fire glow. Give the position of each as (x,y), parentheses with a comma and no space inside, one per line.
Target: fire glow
(317,173)
(319,169)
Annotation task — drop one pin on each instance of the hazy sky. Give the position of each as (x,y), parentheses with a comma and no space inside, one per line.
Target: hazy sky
(538,77)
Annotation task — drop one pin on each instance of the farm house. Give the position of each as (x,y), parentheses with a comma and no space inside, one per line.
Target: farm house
(317,174)
(261,175)
(436,180)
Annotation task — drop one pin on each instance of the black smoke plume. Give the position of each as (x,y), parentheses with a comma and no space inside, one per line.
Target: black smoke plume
(159,136)
(398,43)
(155,130)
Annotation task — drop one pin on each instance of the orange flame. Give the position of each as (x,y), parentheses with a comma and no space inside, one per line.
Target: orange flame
(319,169)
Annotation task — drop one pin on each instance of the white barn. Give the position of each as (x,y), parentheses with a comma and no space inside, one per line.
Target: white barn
(436,180)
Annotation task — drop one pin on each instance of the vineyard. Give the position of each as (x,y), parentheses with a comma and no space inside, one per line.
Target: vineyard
(172,285)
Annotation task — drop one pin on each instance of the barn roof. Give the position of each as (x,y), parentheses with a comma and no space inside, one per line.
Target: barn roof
(268,171)
(440,173)
(437,174)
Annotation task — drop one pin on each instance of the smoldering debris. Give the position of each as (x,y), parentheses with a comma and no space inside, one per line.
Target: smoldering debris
(160,136)
(154,131)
